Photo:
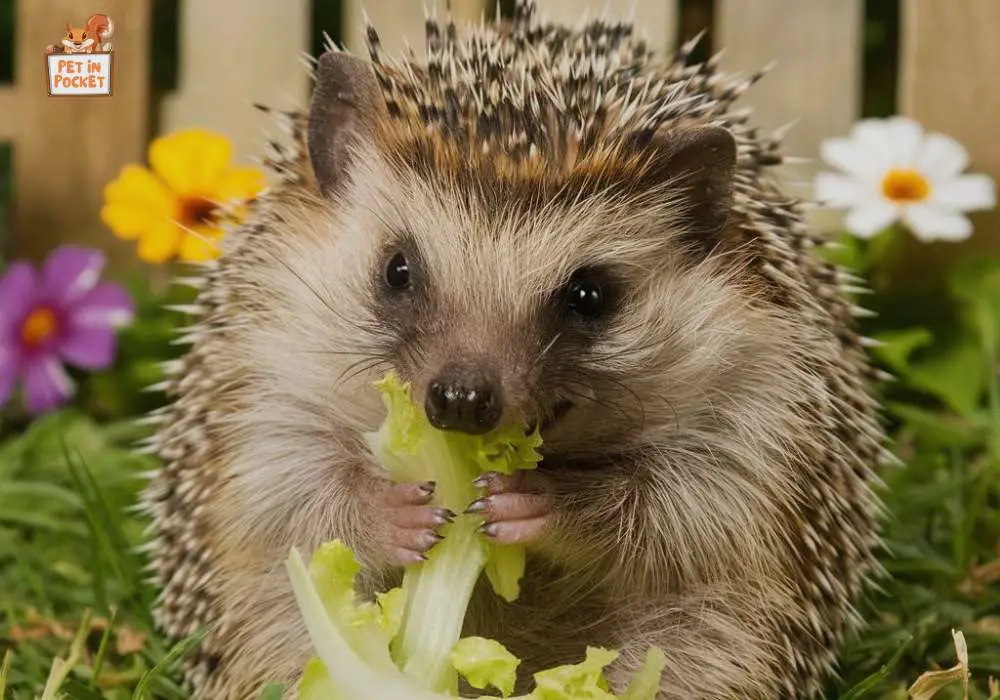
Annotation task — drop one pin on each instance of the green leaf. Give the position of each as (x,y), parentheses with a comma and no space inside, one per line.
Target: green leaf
(976,284)
(275,691)
(367,627)
(937,429)
(582,681)
(849,253)
(316,683)
(485,662)
(896,347)
(957,376)
(645,684)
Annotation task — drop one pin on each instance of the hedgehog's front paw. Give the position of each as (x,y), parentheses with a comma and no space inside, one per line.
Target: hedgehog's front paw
(517,509)
(409,522)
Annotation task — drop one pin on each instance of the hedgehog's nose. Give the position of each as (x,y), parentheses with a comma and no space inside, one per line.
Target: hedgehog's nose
(465,399)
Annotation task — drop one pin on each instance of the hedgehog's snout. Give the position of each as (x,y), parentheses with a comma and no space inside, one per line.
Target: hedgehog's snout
(465,397)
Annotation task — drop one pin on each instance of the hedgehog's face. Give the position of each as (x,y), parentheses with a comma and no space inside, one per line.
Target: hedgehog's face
(589,315)
(584,308)
(492,316)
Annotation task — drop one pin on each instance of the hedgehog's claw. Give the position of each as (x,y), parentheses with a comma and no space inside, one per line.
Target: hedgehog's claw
(410,522)
(516,509)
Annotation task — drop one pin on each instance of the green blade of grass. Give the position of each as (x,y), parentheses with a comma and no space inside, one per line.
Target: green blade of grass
(61,668)
(102,649)
(874,679)
(98,518)
(77,691)
(176,653)
(5,672)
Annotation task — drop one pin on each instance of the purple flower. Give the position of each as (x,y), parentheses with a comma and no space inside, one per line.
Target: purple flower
(62,314)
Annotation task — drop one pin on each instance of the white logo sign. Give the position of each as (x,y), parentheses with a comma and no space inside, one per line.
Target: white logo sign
(80,74)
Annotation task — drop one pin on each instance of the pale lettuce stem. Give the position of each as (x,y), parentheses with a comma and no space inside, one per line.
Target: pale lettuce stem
(353,677)
(439,592)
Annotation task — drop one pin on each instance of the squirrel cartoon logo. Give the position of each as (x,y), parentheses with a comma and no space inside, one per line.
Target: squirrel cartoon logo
(91,38)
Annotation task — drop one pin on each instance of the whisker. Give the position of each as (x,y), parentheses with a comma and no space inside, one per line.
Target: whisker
(363,353)
(358,368)
(195,234)
(545,350)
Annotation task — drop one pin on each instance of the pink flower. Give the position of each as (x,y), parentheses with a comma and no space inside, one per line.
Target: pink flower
(61,314)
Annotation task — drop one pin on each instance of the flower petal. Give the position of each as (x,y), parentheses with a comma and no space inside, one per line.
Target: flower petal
(46,384)
(70,272)
(106,306)
(966,193)
(932,223)
(10,368)
(850,156)
(904,138)
(941,157)
(836,190)
(192,161)
(88,348)
(870,218)
(133,200)
(201,244)
(240,184)
(18,291)
(870,137)
(160,243)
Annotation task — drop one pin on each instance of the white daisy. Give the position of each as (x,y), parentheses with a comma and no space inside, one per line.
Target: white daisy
(893,171)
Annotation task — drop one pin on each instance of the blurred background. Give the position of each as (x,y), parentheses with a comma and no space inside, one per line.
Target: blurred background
(203,62)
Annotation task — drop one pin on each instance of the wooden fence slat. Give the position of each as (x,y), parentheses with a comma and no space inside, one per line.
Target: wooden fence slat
(400,23)
(66,149)
(234,53)
(816,81)
(8,115)
(655,20)
(950,63)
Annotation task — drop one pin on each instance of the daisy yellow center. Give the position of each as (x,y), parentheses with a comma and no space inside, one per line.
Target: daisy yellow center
(196,211)
(38,327)
(905,185)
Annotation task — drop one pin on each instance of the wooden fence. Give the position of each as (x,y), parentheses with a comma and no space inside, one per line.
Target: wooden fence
(65,150)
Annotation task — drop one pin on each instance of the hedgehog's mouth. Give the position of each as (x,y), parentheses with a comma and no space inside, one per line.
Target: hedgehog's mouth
(559,409)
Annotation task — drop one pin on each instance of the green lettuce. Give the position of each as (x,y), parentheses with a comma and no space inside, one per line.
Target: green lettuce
(407,645)
(439,589)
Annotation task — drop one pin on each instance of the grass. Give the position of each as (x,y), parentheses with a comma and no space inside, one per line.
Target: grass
(72,583)
(68,547)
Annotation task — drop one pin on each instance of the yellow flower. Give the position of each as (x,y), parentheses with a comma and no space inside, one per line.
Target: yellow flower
(178,207)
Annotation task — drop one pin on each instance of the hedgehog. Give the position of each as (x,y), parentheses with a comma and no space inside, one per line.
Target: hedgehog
(547,221)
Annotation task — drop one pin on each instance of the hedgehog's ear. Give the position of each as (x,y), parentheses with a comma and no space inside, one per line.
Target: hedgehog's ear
(701,160)
(346,101)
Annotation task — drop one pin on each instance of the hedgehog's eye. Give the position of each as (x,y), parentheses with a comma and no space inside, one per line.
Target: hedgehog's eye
(84,35)
(585,296)
(397,272)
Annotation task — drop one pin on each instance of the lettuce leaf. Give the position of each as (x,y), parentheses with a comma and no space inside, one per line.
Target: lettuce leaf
(406,644)
(438,590)
(485,662)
